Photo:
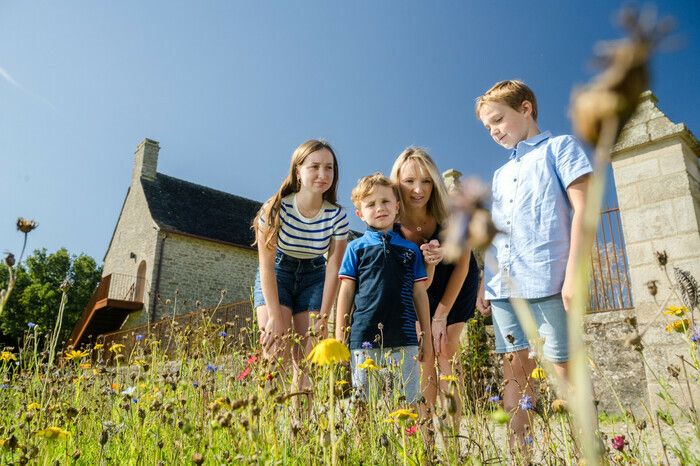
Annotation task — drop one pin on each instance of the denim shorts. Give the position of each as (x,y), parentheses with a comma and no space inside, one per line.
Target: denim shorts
(299,283)
(551,321)
(399,368)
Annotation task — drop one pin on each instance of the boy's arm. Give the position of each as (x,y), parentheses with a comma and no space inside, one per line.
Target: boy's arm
(420,300)
(346,295)
(577,197)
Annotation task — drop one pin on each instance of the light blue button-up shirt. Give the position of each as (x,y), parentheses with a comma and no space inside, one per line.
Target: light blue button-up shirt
(532,210)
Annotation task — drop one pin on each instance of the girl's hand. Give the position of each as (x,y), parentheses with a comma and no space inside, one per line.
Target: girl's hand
(439,330)
(272,334)
(483,304)
(432,252)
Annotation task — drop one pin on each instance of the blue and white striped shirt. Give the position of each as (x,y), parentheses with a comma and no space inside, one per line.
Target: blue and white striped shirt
(306,238)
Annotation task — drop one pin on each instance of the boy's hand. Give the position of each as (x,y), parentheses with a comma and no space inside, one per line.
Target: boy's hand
(567,292)
(483,304)
(432,252)
(425,348)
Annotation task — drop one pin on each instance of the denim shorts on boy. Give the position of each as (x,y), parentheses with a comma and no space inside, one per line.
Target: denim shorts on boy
(385,268)
(299,283)
(398,364)
(551,318)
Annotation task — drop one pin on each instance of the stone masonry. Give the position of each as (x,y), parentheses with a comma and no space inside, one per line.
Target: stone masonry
(655,164)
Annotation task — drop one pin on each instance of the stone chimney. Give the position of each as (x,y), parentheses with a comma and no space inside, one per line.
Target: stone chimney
(146,160)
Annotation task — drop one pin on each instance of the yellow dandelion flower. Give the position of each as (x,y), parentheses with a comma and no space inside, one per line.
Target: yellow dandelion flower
(139,362)
(33,406)
(219,403)
(368,364)
(448,378)
(329,351)
(402,415)
(341,383)
(116,348)
(74,355)
(538,374)
(679,326)
(676,311)
(6,356)
(115,386)
(85,365)
(53,433)
(98,346)
(2,442)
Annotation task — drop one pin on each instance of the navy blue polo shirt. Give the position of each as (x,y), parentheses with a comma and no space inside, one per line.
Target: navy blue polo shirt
(384,266)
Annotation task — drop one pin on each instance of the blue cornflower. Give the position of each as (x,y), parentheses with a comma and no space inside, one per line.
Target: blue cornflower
(223,334)
(31,324)
(526,403)
(134,400)
(695,337)
(488,389)
(195,384)
(4,386)
(527,440)
(139,337)
(495,399)
(212,368)
(366,345)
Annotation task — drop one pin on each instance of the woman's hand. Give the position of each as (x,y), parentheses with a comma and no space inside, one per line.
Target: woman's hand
(439,330)
(432,252)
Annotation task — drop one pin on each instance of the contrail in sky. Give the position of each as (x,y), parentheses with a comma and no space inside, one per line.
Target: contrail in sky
(5,75)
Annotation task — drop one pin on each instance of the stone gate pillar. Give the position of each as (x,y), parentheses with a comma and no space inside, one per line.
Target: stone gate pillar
(655,164)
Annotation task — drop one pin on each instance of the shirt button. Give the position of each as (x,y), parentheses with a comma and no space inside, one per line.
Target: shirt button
(515,179)
(507,245)
(511,201)
(508,222)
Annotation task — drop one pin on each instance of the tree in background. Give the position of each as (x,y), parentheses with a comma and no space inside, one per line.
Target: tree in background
(36,297)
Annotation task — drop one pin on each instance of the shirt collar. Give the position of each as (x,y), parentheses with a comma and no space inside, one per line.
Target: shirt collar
(374,232)
(527,145)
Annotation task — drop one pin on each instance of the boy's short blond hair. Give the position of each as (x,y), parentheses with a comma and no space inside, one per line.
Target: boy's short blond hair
(512,93)
(366,184)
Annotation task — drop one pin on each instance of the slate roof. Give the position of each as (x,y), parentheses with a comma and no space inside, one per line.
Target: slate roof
(182,207)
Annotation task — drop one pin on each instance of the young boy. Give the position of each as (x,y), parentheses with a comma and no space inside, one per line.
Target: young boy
(383,274)
(538,202)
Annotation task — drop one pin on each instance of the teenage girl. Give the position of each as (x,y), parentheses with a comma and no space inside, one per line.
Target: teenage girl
(453,290)
(293,230)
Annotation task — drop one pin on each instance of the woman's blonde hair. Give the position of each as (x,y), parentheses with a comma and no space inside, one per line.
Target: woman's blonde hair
(437,204)
(270,210)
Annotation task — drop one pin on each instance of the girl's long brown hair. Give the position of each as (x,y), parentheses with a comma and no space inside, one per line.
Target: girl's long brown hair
(270,210)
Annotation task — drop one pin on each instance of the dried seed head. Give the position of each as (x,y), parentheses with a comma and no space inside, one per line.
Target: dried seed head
(10,259)
(559,406)
(65,285)
(25,226)
(641,424)
(651,287)
(634,341)
(197,458)
(673,370)
(661,258)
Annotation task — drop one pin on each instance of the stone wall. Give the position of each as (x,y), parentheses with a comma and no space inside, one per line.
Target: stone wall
(135,233)
(617,370)
(194,273)
(655,164)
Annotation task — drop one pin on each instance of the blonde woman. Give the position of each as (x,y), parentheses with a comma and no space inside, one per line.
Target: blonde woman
(453,289)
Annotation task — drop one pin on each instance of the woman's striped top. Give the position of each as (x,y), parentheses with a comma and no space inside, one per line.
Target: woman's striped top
(306,238)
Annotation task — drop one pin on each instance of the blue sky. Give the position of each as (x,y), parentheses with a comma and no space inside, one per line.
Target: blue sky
(230,88)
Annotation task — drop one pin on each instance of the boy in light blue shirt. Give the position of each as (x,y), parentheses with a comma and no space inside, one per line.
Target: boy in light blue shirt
(538,203)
